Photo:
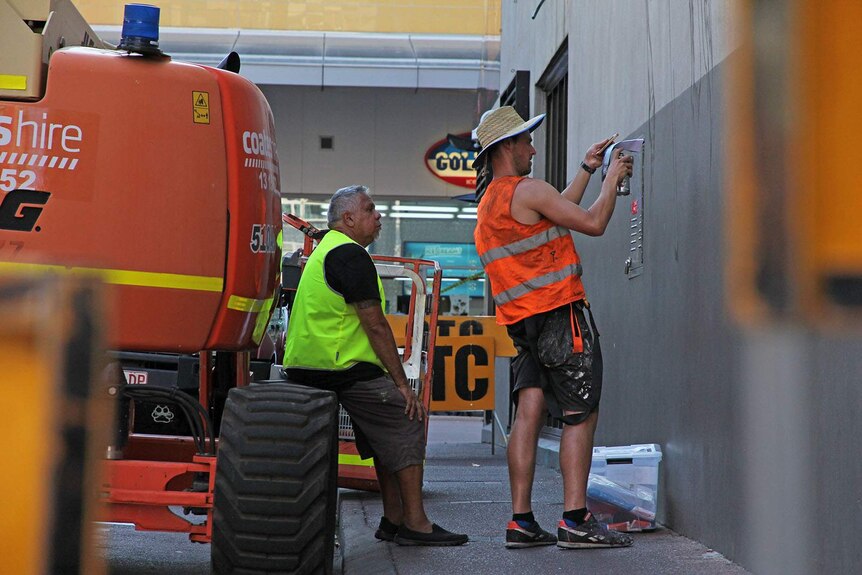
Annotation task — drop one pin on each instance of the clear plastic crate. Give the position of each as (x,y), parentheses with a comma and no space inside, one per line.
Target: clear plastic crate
(622,490)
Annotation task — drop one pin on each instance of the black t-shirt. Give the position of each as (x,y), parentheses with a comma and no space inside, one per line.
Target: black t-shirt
(349,271)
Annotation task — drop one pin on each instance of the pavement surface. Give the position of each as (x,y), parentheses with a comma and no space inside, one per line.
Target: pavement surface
(466,490)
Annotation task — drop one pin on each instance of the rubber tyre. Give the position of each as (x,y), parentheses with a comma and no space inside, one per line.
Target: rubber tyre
(275,491)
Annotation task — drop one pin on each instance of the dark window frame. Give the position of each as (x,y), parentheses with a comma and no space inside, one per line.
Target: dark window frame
(554,83)
(517,93)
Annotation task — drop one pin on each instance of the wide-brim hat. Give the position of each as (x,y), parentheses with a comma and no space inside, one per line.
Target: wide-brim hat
(499,124)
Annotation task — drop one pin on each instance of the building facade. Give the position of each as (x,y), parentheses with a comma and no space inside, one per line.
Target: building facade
(756,421)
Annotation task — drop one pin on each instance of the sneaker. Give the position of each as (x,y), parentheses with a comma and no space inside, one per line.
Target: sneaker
(527,534)
(590,533)
(386,531)
(438,537)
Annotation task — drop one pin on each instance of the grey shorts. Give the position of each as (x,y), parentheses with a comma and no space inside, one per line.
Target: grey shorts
(382,429)
(571,379)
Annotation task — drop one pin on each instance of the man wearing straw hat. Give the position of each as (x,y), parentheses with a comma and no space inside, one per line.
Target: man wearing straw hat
(524,241)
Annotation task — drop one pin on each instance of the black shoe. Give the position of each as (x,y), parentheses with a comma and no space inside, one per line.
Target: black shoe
(386,531)
(588,534)
(526,534)
(438,537)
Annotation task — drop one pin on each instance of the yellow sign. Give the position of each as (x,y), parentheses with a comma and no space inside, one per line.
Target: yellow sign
(464,354)
(201,107)
(462,325)
(463,374)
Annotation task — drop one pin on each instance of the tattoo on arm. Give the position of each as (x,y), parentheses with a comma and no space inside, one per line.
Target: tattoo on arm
(367,303)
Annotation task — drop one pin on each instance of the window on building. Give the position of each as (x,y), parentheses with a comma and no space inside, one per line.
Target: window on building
(517,93)
(554,83)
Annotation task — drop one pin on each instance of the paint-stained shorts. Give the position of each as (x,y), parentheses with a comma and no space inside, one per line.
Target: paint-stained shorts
(381,427)
(559,351)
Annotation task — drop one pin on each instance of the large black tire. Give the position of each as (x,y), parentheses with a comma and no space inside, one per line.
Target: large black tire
(275,491)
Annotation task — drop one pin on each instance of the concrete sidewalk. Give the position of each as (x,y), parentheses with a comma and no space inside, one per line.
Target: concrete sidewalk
(466,490)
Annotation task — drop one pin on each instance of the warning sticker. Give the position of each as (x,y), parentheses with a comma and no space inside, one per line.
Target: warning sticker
(201,107)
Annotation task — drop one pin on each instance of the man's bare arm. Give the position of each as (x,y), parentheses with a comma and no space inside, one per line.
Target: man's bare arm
(541,198)
(574,192)
(576,188)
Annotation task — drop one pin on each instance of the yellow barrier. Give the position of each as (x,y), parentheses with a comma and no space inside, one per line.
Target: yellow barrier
(48,358)
(463,360)
(462,325)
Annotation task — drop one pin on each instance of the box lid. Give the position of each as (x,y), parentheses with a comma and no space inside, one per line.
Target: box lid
(642,451)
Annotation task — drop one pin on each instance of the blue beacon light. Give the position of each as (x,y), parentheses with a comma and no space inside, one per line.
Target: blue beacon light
(140,29)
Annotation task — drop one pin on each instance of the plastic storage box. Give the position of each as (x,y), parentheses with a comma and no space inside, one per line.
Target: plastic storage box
(622,490)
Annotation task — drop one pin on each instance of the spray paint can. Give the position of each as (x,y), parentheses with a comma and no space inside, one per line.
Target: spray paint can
(624,188)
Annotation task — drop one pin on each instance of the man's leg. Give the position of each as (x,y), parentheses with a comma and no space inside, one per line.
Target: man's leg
(523,442)
(392,508)
(390,493)
(415,528)
(409,481)
(377,410)
(576,456)
(578,528)
(402,496)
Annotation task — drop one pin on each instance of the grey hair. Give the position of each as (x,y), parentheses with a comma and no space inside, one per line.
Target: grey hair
(343,201)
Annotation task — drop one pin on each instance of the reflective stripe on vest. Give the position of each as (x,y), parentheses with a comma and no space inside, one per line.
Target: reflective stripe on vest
(524,245)
(523,289)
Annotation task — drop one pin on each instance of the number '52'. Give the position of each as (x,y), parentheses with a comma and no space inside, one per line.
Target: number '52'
(9,180)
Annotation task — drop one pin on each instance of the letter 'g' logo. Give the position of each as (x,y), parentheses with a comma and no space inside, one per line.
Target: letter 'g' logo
(20,209)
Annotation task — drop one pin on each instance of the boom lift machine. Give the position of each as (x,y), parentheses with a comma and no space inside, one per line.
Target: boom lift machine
(162,178)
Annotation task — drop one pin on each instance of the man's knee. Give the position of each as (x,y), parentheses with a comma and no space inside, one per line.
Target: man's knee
(578,417)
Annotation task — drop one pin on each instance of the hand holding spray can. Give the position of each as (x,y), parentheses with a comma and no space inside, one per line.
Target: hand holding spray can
(633,146)
(624,188)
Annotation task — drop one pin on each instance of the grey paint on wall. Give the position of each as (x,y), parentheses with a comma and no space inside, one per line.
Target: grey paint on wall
(759,427)
(672,367)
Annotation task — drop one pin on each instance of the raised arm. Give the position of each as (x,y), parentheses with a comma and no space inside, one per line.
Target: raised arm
(541,198)
(593,160)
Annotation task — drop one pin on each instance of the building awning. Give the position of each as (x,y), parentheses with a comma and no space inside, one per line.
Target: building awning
(329,59)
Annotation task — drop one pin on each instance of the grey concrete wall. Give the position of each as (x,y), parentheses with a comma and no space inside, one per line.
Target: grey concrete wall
(759,426)
(671,352)
(380,138)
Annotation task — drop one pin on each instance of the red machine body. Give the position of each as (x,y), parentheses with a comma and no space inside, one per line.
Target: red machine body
(161,177)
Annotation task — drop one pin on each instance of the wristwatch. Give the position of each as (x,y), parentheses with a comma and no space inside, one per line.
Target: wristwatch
(587,169)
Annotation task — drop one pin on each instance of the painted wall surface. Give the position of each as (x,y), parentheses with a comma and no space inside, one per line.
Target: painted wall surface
(626,59)
(380,137)
(758,426)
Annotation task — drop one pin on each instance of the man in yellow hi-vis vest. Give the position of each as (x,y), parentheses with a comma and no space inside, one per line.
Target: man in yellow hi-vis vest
(339,339)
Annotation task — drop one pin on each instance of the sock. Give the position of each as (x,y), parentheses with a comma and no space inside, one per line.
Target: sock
(576,516)
(525,517)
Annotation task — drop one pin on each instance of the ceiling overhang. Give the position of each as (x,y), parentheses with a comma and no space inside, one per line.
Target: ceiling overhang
(329,59)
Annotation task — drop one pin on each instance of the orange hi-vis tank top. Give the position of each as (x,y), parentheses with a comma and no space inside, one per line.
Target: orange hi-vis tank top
(532,268)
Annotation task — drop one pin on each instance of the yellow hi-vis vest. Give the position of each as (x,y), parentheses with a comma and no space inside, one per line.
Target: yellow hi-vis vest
(324,331)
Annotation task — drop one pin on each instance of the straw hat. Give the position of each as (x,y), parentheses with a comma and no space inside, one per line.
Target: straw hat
(497,125)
